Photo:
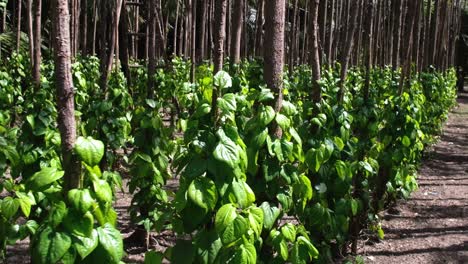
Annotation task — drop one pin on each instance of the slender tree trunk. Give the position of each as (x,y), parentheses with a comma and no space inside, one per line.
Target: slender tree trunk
(315,56)
(330,33)
(37,44)
(398,31)
(274,53)
(151,48)
(238,20)
(95,18)
(219,34)
(174,44)
(292,38)
(259,28)
(123,40)
(193,32)
(84,28)
(347,48)
(218,54)
(30,30)
(200,30)
(65,96)
(18,24)
(412,14)
(369,45)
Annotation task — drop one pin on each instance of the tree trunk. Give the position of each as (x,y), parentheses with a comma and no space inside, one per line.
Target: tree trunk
(123,40)
(315,51)
(151,48)
(65,96)
(347,48)
(30,30)
(201,28)
(37,45)
(259,28)
(398,32)
(84,28)
(274,53)
(237,22)
(219,34)
(18,24)
(369,45)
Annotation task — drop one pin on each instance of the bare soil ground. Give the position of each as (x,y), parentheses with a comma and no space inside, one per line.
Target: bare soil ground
(432,226)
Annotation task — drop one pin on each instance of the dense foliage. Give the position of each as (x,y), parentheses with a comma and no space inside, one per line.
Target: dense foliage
(244,195)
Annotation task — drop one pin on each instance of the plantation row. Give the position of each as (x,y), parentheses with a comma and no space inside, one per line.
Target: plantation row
(248,192)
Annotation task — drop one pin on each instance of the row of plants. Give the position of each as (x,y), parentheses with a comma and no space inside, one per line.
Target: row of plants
(245,194)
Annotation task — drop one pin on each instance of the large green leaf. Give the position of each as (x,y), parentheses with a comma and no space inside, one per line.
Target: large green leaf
(111,240)
(227,151)
(227,103)
(50,246)
(208,246)
(80,225)
(224,217)
(202,191)
(270,214)
(245,254)
(243,194)
(222,80)
(303,251)
(235,230)
(153,257)
(85,245)
(9,207)
(89,150)
(103,190)
(183,252)
(81,200)
(43,178)
(266,115)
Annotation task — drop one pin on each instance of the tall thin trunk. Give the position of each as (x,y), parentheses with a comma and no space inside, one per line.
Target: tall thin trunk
(274,53)
(151,48)
(259,28)
(218,53)
(398,32)
(238,20)
(18,24)
(84,28)
(413,6)
(93,41)
(65,96)
(30,30)
(174,41)
(347,48)
(369,45)
(123,40)
(193,32)
(315,56)
(219,34)
(37,44)
(201,29)
(330,33)
(292,39)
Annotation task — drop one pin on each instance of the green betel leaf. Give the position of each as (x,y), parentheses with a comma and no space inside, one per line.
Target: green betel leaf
(227,103)
(89,150)
(288,108)
(202,191)
(255,218)
(50,246)
(85,245)
(103,190)
(235,230)
(243,194)
(57,213)
(222,80)
(224,217)
(259,139)
(283,121)
(245,254)
(341,169)
(80,225)
(338,143)
(289,232)
(226,151)
(208,246)
(81,200)
(266,115)
(270,214)
(111,240)
(9,207)
(43,178)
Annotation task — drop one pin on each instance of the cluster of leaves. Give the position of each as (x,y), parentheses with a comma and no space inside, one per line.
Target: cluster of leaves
(68,227)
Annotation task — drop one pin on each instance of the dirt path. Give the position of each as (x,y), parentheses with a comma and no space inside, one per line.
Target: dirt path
(432,227)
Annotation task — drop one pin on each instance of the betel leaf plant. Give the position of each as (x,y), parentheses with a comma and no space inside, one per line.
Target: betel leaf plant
(79,226)
(214,202)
